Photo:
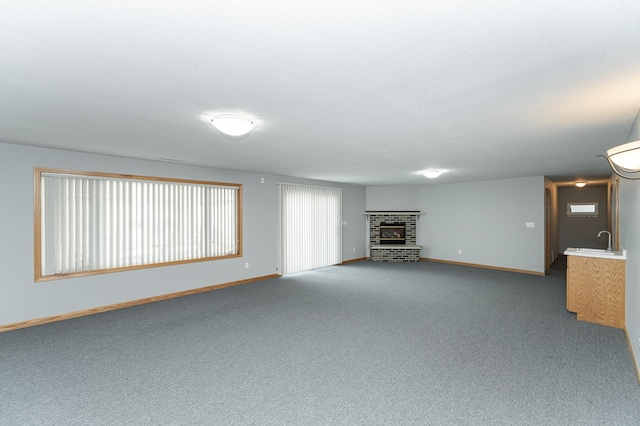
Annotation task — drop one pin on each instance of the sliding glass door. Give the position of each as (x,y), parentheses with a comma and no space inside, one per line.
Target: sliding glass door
(310,227)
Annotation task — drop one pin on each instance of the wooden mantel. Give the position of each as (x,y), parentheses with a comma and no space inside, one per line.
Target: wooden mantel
(394,212)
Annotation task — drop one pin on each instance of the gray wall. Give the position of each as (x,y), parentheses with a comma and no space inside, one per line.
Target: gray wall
(486,220)
(582,231)
(397,198)
(21,299)
(630,240)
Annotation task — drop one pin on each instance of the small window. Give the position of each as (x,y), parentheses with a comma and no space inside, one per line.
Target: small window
(582,209)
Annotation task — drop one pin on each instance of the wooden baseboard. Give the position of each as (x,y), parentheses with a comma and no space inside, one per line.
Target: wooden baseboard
(633,359)
(344,262)
(76,314)
(475,265)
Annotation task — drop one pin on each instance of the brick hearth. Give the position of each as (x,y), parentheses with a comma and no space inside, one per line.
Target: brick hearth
(408,252)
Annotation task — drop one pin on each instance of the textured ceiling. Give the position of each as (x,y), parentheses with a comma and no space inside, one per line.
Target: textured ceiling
(367,92)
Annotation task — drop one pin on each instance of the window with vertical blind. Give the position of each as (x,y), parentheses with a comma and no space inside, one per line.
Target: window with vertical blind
(310,227)
(87,223)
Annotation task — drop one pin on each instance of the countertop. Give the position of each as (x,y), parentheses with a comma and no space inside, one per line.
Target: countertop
(602,254)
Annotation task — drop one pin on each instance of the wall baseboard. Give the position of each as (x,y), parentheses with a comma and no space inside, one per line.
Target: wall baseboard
(476,265)
(344,262)
(76,314)
(633,358)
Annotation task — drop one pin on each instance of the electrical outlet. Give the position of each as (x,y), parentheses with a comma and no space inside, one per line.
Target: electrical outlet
(459,251)
(354,249)
(246,265)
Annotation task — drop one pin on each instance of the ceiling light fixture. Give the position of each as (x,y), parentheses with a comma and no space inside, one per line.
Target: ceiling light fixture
(232,124)
(580,184)
(432,173)
(625,159)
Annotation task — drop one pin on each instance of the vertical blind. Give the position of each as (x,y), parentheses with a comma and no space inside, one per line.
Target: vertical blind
(310,226)
(94,223)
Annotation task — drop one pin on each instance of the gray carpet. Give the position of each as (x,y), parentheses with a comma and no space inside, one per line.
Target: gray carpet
(360,344)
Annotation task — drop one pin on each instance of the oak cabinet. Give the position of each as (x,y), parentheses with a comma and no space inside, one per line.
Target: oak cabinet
(595,289)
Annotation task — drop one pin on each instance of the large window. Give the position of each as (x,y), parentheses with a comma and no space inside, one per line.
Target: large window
(87,223)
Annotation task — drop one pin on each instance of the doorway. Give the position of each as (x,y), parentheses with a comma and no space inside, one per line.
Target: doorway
(582,214)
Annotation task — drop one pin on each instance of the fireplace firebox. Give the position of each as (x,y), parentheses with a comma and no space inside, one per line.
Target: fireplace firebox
(392,233)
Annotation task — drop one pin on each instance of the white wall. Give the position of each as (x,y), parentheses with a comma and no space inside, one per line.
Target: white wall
(630,240)
(21,299)
(486,220)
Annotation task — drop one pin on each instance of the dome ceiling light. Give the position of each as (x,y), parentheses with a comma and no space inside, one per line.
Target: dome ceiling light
(432,173)
(233,124)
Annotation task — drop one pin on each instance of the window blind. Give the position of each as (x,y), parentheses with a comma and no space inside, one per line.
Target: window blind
(93,223)
(311,227)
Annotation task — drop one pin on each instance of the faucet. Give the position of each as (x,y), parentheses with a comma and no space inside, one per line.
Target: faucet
(609,248)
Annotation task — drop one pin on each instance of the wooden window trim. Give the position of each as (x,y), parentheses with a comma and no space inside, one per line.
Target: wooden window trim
(37,217)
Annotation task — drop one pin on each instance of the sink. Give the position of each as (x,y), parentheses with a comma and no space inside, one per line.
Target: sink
(593,250)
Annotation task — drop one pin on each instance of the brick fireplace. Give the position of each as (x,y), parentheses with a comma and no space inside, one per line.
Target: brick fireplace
(392,236)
